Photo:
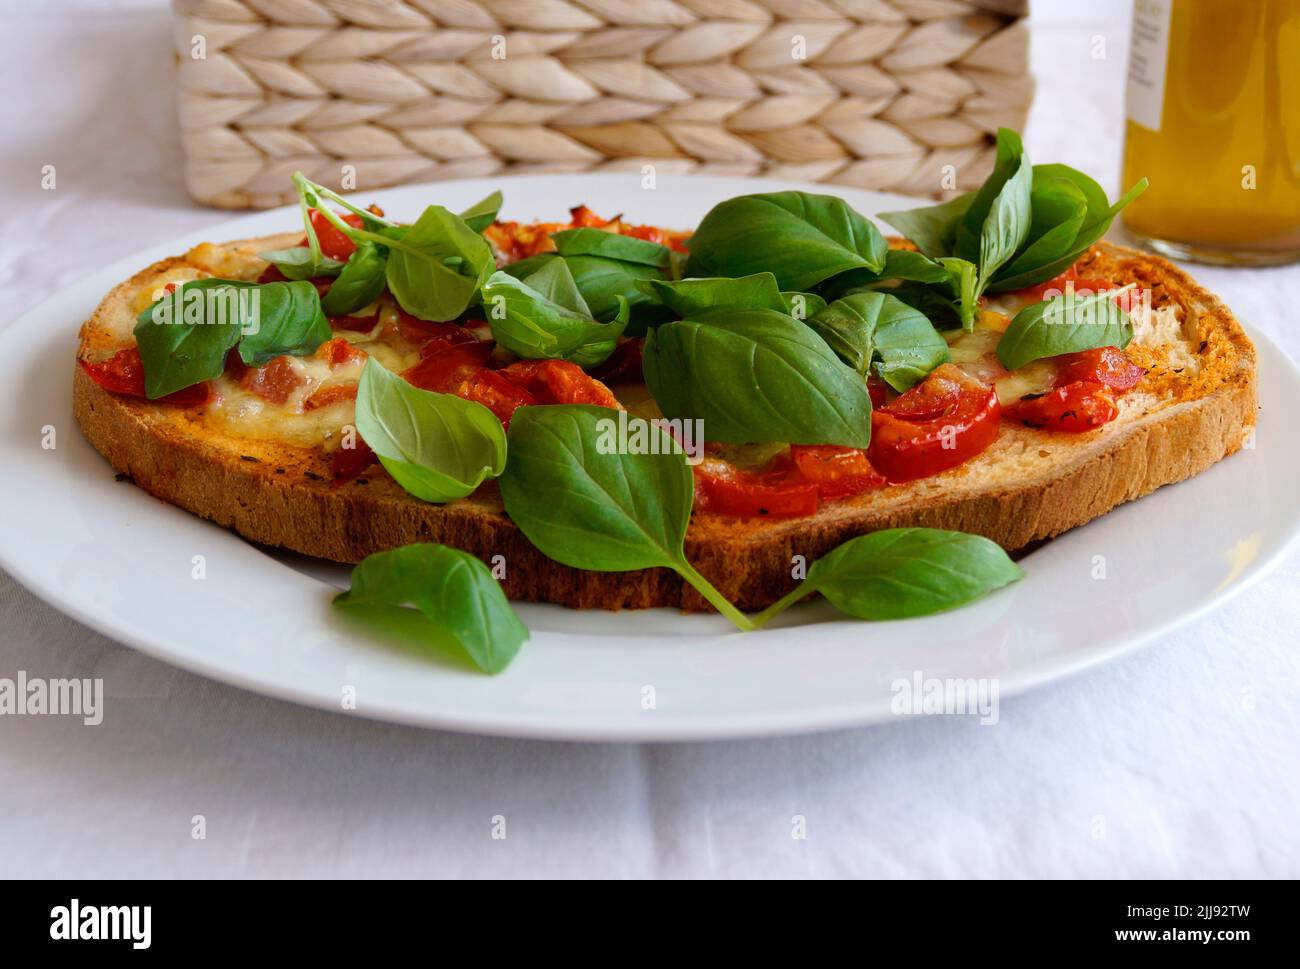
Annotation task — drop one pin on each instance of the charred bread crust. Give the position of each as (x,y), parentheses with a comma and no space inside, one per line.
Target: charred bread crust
(1030,485)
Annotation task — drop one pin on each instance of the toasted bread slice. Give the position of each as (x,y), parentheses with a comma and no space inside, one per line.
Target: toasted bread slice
(1195,406)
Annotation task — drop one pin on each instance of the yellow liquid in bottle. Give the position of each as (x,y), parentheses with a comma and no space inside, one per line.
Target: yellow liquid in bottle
(1225,163)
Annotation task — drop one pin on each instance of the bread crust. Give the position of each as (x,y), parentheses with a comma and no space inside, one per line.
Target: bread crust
(1031,485)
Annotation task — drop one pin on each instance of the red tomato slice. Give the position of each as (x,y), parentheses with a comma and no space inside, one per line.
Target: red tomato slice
(940,423)
(338,352)
(444,367)
(559,382)
(420,331)
(1105,365)
(333,242)
(836,471)
(723,489)
(348,462)
(496,393)
(274,381)
(123,373)
(1083,405)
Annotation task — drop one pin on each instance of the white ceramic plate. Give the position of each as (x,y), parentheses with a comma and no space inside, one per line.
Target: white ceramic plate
(122,562)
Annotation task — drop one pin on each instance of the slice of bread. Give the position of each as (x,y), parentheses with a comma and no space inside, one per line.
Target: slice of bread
(1195,406)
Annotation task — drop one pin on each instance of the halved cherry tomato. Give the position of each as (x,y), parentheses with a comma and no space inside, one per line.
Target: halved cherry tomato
(333,242)
(273,381)
(1082,405)
(940,423)
(559,382)
(724,489)
(330,395)
(123,373)
(446,367)
(348,462)
(338,352)
(1104,365)
(499,395)
(836,471)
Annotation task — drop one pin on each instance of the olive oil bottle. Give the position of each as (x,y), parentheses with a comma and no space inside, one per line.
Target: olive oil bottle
(1214,122)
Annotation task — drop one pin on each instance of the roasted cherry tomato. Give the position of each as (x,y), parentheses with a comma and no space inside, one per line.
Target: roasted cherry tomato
(419,331)
(1083,405)
(445,367)
(123,373)
(723,489)
(338,352)
(499,395)
(940,423)
(1105,365)
(348,462)
(624,364)
(273,381)
(330,395)
(333,242)
(559,382)
(354,324)
(836,471)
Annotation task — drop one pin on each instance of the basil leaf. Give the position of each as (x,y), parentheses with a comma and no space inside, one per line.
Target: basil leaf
(288,320)
(555,281)
(184,337)
(1007,224)
(1059,209)
(482,214)
(526,323)
(799,237)
(461,605)
(963,283)
(301,263)
(609,512)
(801,305)
(687,296)
(863,327)
(905,572)
(754,376)
(1067,324)
(1010,160)
(436,266)
(611,245)
(601,282)
(1022,272)
(931,228)
(438,447)
(586,503)
(360,282)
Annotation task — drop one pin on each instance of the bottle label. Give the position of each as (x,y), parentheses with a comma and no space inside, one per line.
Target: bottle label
(1147,54)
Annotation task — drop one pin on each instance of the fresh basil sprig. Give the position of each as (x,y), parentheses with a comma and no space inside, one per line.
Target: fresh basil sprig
(799,237)
(755,376)
(1023,226)
(874,326)
(903,572)
(608,512)
(438,447)
(359,284)
(602,282)
(544,316)
(687,296)
(184,337)
(611,245)
(457,604)
(1066,324)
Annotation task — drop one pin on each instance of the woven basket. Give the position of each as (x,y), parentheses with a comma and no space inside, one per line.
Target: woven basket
(878,94)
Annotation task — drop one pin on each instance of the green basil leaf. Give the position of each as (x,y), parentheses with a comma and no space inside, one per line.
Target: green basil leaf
(589,506)
(1067,324)
(438,447)
(185,336)
(868,326)
(1023,271)
(687,296)
(461,605)
(526,323)
(755,376)
(964,286)
(436,266)
(1010,159)
(1007,224)
(555,281)
(931,228)
(799,237)
(482,214)
(288,320)
(601,282)
(301,263)
(611,245)
(801,305)
(1059,209)
(905,572)
(360,283)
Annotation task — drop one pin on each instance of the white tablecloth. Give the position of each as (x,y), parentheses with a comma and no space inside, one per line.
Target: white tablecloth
(1180,760)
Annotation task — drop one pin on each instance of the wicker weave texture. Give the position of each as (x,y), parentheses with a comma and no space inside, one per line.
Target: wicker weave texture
(885,94)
